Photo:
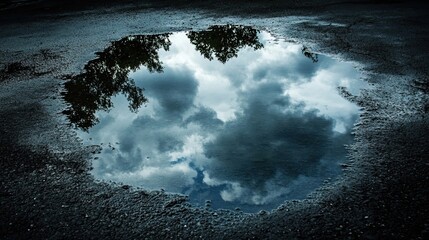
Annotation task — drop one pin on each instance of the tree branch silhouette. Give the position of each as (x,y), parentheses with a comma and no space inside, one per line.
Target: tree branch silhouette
(107,76)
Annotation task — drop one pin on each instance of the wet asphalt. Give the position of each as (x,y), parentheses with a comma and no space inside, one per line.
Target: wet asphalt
(46,189)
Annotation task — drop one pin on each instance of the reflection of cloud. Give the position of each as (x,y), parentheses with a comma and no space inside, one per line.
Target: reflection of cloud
(321,92)
(256,131)
(293,67)
(270,137)
(275,187)
(175,89)
(206,118)
(149,154)
(155,149)
(173,178)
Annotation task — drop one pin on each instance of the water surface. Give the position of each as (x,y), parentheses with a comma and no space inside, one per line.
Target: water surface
(230,116)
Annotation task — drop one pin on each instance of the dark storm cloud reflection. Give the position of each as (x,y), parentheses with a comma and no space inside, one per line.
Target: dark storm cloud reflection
(175,90)
(271,144)
(251,127)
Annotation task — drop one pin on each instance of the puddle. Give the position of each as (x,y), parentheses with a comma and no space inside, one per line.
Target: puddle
(231,116)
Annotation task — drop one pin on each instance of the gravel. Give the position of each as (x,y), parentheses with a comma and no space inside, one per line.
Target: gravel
(47,192)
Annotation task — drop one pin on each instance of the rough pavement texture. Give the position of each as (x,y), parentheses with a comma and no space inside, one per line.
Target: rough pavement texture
(47,192)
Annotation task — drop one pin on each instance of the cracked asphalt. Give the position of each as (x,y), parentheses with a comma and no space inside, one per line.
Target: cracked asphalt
(47,192)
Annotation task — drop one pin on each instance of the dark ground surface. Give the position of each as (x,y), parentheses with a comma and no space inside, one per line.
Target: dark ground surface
(47,192)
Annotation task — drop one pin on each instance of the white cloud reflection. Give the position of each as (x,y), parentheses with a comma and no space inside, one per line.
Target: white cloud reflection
(266,126)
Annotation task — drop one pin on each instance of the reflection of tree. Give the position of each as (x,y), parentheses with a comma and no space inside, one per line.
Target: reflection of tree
(107,76)
(225,41)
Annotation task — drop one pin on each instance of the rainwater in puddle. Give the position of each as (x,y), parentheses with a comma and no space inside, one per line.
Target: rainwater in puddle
(229,116)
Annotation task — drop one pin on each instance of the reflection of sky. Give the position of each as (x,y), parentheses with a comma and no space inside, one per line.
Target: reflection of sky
(264,127)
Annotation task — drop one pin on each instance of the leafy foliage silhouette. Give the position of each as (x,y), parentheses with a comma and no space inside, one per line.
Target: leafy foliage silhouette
(224,41)
(107,76)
